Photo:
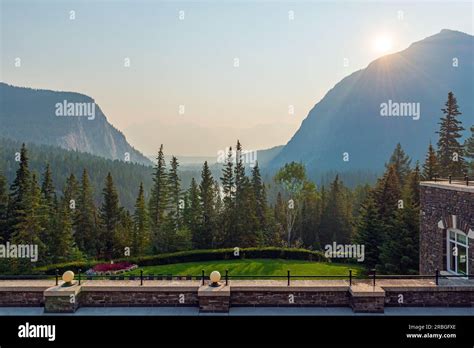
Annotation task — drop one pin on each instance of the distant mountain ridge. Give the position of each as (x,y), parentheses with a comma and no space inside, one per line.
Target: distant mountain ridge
(348,120)
(31,115)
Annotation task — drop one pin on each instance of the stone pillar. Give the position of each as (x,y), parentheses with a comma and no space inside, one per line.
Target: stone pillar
(214,299)
(59,299)
(365,298)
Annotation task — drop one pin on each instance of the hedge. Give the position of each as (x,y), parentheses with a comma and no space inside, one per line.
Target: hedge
(194,256)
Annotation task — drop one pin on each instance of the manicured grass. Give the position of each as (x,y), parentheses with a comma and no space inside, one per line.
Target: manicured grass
(252,267)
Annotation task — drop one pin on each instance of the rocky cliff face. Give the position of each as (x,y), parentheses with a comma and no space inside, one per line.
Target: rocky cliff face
(69,120)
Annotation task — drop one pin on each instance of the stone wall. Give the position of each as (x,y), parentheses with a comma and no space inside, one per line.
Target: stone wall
(361,298)
(137,298)
(22,298)
(439,203)
(289,298)
(430,297)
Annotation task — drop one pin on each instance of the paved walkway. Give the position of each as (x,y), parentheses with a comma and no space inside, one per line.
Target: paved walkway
(239,311)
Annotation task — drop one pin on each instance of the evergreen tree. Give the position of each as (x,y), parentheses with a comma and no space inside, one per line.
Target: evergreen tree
(49,212)
(19,198)
(430,167)
(370,233)
(469,148)
(401,163)
(28,229)
(310,217)
(387,194)
(3,209)
(86,236)
(61,244)
(203,239)
(412,186)
(336,219)
(228,191)
(158,201)
(174,194)
(450,151)
(141,226)
(279,213)
(192,213)
(400,252)
(239,217)
(260,198)
(110,217)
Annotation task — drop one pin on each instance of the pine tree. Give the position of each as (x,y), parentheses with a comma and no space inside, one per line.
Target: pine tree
(310,217)
(19,198)
(370,233)
(228,191)
(28,230)
(204,238)
(248,232)
(141,226)
(412,184)
(158,202)
(450,151)
(401,163)
(109,218)
(192,213)
(336,219)
(260,198)
(430,167)
(86,235)
(239,217)
(400,252)
(174,195)
(49,212)
(279,213)
(3,208)
(61,244)
(387,194)
(469,148)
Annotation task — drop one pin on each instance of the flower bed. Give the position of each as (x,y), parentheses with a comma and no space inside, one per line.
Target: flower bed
(111,268)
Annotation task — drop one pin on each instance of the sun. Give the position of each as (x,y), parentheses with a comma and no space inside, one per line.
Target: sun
(382,43)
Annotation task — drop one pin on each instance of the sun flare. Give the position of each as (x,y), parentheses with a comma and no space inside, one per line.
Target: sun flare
(382,44)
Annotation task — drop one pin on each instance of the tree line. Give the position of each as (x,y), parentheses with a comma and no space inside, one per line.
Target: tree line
(229,211)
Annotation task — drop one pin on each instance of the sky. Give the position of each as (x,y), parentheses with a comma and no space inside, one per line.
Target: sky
(203,73)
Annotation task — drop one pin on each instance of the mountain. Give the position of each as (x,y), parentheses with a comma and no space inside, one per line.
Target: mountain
(33,115)
(348,118)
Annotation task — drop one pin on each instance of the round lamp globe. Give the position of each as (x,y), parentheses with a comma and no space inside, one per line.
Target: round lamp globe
(215,277)
(68,277)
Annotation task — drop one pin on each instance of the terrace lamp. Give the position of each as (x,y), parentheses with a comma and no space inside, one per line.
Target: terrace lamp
(215,277)
(68,277)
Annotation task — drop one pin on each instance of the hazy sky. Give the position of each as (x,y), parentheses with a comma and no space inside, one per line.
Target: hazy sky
(289,55)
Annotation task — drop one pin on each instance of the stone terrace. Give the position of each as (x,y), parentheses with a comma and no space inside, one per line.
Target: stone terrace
(362,296)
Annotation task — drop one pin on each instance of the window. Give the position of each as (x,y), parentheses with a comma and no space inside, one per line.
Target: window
(457,245)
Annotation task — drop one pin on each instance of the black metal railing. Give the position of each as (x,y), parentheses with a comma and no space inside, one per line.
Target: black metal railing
(464,180)
(371,276)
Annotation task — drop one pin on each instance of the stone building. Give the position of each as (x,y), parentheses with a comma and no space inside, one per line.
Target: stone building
(446,227)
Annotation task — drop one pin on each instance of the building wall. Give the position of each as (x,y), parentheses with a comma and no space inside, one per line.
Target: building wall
(440,202)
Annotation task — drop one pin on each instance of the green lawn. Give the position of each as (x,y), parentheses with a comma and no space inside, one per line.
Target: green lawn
(253,267)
